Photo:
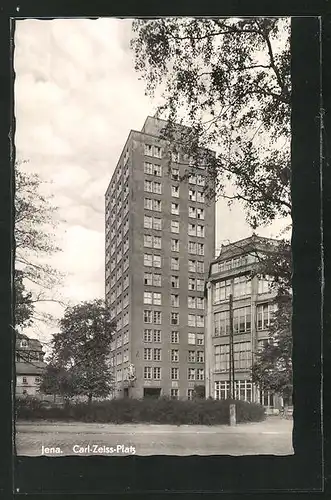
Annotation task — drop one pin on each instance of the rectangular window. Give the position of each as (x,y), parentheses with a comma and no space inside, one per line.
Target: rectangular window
(157,223)
(157,336)
(264,314)
(175,191)
(192,179)
(174,281)
(174,300)
(200,285)
(200,321)
(147,372)
(148,316)
(157,187)
(191,302)
(157,170)
(157,260)
(221,357)
(222,291)
(148,167)
(200,213)
(200,374)
(148,186)
(191,357)
(221,323)
(148,299)
(175,208)
(148,150)
(191,284)
(148,240)
(191,373)
(147,335)
(148,222)
(148,278)
(191,338)
(157,205)
(190,393)
(200,197)
(200,180)
(157,299)
(242,286)
(192,266)
(174,355)
(157,354)
(157,373)
(175,245)
(174,263)
(157,280)
(242,320)
(192,230)
(192,212)
(200,302)
(148,203)
(174,393)
(147,354)
(200,339)
(191,320)
(175,318)
(174,373)
(156,241)
(192,247)
(242,355)
(200,357)
(157,152)
(174,337)
(200,231)
(157,317)
(192,195)
(148,259)
(174,226)
(200,248)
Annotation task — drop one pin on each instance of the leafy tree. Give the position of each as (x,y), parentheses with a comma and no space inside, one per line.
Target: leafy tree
(35,224)
(272,370)
(82,348)
(58,381)
(24,308)
(229,81)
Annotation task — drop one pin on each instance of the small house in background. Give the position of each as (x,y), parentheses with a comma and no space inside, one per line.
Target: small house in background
(30,366)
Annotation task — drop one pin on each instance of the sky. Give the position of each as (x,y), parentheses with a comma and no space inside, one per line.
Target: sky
(77,96)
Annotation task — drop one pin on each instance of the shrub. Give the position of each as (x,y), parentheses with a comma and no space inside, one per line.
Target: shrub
(159,411)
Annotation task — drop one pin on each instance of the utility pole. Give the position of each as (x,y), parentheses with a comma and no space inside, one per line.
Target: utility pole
(231,350)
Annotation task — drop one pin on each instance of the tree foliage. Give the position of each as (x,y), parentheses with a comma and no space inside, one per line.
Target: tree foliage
(272,370)
(229,81)
(24,306)
(81,349)
(35,225)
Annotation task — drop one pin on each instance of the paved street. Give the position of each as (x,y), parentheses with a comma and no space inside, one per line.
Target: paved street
(273,436)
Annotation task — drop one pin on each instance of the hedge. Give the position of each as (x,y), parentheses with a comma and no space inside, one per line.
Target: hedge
(153,411)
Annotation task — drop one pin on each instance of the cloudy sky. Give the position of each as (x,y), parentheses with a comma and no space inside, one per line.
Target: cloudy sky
(77,96)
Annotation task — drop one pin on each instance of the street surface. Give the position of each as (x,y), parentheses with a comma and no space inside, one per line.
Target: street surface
(273,436)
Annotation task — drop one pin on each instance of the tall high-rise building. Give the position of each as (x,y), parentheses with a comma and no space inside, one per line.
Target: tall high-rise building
(160,238)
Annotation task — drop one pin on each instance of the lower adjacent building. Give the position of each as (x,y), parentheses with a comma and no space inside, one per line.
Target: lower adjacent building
(29,366)
(235,285)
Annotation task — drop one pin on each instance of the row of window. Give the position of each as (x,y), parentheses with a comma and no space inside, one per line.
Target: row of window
(154,204)
(150,335)
(155,354)
(156,299)
(239,287)
(242,319)
(156,373)
(242,388)
(155,317)
(242,356)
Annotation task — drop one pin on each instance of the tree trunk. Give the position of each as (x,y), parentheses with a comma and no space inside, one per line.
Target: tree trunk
(89,399)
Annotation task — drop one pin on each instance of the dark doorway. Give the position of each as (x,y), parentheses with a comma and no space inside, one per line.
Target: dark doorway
(126,392)
(152,392)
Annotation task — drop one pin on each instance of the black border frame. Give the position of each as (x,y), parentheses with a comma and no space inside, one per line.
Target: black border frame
(301,472)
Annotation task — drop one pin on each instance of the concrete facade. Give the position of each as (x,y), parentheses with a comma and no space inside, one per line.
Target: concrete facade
(235,272)
(150,262)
